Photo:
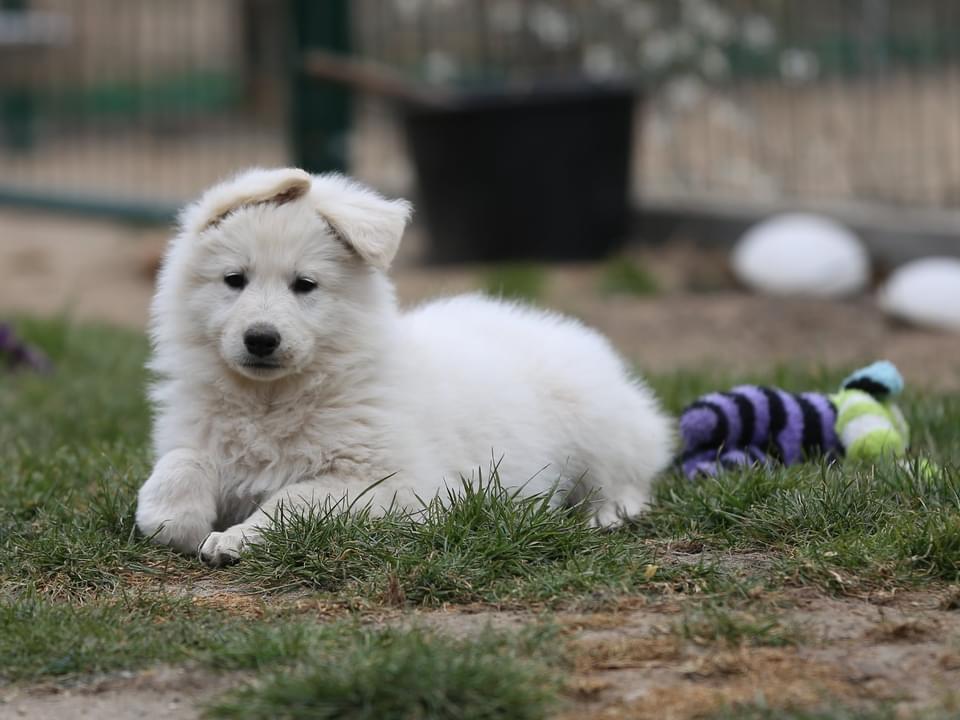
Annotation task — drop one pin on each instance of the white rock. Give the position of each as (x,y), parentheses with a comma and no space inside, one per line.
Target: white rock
(925,292)
(799,254)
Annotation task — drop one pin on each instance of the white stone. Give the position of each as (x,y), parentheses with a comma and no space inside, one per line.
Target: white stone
(925,292)
(799,254)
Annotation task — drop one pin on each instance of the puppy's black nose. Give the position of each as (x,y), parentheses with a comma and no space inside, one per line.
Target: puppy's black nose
(261,340)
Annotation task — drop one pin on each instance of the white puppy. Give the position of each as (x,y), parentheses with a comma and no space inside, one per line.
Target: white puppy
(286,374)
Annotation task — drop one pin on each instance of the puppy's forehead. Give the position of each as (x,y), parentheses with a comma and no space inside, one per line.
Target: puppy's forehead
(271,236)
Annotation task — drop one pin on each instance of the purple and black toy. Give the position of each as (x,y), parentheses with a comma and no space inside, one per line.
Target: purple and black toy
(753,425)
(756,425)
(18,354)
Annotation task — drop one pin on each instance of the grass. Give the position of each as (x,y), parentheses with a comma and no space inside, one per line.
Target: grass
(74,451)
(528,281)
(373,674)
(479,543)
(624,276)
(95,397)
(81,592)
(516,281)
(712,624)
(73,447)
(39,638)
(878,526)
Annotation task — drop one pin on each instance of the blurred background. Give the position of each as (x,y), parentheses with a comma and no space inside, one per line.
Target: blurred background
(633,142)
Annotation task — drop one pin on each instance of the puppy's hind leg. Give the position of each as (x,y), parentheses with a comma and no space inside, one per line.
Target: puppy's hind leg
(611,507)
(606,504)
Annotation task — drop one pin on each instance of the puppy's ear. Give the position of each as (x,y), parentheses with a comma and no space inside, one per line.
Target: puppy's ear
(365,221)
(248,188)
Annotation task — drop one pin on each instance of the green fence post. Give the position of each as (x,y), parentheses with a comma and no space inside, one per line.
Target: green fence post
(16,103)
(320,110)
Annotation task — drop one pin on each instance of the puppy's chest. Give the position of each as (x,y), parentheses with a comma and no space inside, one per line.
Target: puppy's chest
(260,452)
(264,437)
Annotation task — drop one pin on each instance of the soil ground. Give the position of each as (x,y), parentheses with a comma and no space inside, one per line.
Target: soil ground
(629,661)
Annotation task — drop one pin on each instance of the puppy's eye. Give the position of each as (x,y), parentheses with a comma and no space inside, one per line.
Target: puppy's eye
(236,280)
(304,285)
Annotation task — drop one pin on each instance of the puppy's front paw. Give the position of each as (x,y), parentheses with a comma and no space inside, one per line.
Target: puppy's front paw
(222,548)
(176,505)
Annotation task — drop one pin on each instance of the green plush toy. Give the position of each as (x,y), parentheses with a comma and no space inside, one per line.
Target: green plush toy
(762,425)
(869,424)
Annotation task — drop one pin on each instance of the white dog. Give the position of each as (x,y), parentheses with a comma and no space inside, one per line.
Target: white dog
(287,375)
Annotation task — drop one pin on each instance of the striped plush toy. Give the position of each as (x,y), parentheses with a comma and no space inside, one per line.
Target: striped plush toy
(761,425)
(16,354)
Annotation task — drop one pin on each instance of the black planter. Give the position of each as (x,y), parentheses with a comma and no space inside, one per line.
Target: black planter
(524,176)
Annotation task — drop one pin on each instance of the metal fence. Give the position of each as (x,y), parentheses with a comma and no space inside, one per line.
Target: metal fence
(139,103)
(844,101)
(136,104)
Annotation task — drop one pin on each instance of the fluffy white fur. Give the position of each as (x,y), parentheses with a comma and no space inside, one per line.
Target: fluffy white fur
(357,390)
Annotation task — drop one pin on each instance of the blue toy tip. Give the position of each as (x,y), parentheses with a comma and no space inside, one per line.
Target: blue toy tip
(881,379)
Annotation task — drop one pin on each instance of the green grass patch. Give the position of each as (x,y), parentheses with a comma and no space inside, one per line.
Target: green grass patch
(827,525)
(372,674)
(40,638)
(481,542)
(70,552)
(516,281)
(95,398)
(624,276)
(74,449)
(719,625)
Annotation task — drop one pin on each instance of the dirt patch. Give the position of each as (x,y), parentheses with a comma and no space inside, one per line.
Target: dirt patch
(598,654)
(705,685)
(850,652)
(85,269)
(157,694)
